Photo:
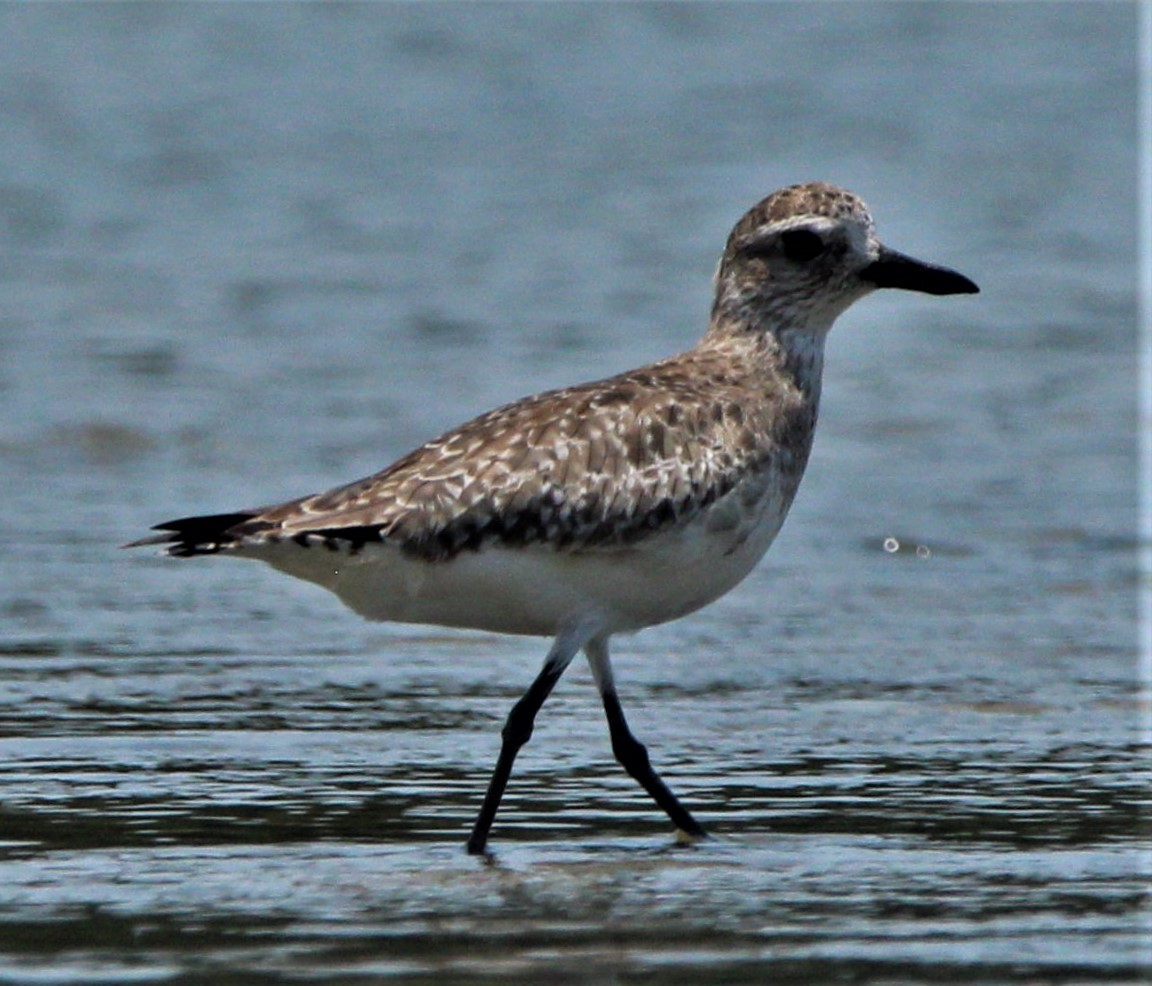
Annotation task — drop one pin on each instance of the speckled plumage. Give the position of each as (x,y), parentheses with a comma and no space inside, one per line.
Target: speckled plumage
(714,438)
(593,466)
(609,506)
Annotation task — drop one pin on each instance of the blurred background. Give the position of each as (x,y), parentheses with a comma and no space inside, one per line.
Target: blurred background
(251,251)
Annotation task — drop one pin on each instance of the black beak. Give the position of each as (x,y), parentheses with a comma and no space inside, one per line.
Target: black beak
(895,270)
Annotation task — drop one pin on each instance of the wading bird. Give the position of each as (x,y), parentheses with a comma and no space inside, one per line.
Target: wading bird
(609,506)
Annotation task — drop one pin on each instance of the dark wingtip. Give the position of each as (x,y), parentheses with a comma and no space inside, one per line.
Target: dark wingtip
(204,535)
(144,542)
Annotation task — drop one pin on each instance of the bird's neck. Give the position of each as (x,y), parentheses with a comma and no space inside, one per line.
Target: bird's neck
(792,352)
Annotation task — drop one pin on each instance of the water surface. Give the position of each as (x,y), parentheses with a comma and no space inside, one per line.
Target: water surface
(252,251)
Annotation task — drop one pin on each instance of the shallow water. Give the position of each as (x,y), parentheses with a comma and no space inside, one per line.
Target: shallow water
(254,251)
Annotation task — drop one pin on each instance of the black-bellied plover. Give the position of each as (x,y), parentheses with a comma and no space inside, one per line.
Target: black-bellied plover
(609,506)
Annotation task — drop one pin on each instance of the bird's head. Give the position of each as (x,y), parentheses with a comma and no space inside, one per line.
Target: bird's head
(800,257)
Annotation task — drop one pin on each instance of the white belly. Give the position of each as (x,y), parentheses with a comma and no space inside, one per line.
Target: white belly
(536,589)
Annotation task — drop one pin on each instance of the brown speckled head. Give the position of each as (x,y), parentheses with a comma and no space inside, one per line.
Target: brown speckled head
(816,198)
(792,262)
(797,259)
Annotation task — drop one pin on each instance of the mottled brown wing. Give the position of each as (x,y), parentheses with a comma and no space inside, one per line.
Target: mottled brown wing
(594,465)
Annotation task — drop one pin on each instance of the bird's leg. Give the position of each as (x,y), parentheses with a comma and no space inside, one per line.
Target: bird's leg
(516,732)
(629,751)
(518,727)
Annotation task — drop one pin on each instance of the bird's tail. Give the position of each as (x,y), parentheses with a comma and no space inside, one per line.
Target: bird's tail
(205,535)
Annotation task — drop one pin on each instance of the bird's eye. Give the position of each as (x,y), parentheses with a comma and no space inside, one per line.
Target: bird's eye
(801,245)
